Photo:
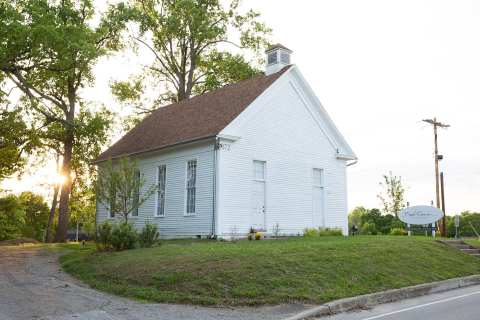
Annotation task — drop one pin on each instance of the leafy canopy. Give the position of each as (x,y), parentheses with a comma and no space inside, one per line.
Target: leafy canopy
(188,40)
(48,49)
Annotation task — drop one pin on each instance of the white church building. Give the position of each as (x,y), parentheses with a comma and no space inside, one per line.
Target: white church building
(261,153)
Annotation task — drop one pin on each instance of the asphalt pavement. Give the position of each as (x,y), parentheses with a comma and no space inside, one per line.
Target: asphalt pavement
(460,304)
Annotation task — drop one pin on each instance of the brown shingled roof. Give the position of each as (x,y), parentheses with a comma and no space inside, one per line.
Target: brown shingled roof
(196,118)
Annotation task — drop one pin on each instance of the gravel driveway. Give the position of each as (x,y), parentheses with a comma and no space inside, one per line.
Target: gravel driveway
(32,286)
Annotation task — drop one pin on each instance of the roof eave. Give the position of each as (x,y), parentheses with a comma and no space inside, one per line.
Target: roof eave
(97,161)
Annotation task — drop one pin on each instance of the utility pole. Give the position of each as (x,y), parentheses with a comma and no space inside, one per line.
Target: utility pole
(437,124)
(444,219)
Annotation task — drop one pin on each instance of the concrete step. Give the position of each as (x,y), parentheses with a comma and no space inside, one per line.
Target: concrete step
(475,255)
(471,251)
(462,246)
(452,242)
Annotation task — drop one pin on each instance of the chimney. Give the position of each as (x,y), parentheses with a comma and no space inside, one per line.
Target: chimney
(278,56)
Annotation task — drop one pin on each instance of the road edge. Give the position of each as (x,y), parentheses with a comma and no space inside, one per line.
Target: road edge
(373,299)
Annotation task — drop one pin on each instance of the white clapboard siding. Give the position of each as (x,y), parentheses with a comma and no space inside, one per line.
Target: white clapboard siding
(279,128)
(175,223)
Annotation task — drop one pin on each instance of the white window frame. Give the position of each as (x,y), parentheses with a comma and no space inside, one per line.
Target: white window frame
(157,214)
(321,186)
(186,213)
(111,214)
(136,213)
(264,170)
(322,178)
(264,180)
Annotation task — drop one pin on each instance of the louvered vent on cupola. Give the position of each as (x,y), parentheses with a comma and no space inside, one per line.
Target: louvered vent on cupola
(278,56)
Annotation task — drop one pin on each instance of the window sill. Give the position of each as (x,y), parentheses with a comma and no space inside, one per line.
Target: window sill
(159,216)
(189,214)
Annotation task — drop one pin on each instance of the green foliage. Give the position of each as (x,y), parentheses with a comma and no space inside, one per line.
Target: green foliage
(355,217)
(377,222)
(23,216)
(48,51)
(12,218)
(17,141)
(104,235)
(310,232)
(148,236)
(222,68)
(124,237)
(368,228)
(36,215)
(82,208)
(120,187)
(467,219)
(321,232)
(392,198)
(329,232)
(188,40)
(398,232)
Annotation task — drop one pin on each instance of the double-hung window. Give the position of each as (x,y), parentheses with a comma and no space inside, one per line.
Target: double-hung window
(161,180)
(191,187)
(136,194)
(318,179)
(113,198)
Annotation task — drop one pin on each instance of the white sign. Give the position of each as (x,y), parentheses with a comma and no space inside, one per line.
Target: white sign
(420,215)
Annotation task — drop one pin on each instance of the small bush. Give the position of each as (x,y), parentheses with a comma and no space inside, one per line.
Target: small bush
(398,232)
(124,237)
(104,236)
(148,236)
(369,229)
(258,235)
(310,232)
(330,232)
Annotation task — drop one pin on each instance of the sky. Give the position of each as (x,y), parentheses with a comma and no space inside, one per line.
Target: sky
(379,68)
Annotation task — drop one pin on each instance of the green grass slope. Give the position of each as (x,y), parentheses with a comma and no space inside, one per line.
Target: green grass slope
(310,270)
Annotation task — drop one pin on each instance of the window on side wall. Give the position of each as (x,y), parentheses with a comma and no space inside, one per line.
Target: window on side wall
(318,178)
(112,204)
(136,195)
(161,181)
(191,187)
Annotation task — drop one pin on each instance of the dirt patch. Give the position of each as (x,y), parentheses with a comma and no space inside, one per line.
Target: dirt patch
(18,242)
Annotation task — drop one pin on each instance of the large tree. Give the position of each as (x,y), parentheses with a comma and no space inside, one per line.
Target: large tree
(191,42)
(47,50)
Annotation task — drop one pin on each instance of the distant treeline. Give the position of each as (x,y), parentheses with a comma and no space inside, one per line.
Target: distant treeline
(372,222)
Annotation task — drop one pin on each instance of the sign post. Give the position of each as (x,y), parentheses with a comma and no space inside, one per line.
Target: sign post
(457,224)
(421,215)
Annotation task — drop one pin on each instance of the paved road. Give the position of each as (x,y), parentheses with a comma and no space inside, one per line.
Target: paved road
(460,304)
(33,287)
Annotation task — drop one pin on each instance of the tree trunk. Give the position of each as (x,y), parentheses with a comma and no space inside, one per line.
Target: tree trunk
(51,218)
(53,208)
(63,215)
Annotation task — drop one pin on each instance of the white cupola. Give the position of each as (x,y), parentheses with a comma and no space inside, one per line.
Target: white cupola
(278,56)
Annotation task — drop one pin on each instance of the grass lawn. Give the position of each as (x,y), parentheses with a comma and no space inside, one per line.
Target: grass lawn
(473,242)
(311,270)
